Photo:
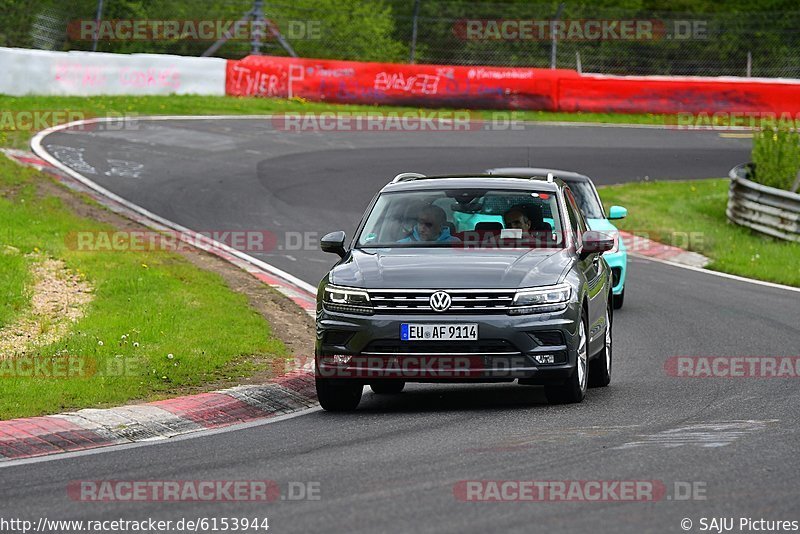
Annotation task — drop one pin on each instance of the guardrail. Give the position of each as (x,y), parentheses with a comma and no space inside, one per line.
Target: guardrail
(765,209)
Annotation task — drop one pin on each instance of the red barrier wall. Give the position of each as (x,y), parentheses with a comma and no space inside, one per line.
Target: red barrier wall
(502,88)
(398,84)
(658,94)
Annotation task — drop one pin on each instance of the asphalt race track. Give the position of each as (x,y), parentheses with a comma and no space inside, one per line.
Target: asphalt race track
(392,465)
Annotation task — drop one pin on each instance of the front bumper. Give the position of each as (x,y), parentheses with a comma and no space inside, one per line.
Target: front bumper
(618,262)
(508,348)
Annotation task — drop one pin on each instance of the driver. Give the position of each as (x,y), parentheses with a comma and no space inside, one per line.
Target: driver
(431,226)
(516,217)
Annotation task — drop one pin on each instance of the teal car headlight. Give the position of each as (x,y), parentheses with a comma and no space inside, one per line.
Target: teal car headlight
(541,299)
(346,299)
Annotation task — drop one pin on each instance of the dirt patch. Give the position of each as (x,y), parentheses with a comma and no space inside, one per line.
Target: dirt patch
(288,322)
(59,298)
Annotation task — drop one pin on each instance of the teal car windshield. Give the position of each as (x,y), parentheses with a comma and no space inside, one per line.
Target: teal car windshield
(464,217)
(586,198)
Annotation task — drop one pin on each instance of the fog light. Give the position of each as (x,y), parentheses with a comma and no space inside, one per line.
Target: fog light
(341,359)
(544,358)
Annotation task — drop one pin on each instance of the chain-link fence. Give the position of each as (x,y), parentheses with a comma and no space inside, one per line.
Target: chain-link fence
(591,39)
(605,40)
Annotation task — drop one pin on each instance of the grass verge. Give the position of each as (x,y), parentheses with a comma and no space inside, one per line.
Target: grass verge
(691,215)
(157,325)
(117,106)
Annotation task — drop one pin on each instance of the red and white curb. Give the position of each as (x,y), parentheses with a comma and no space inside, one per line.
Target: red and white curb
(642,246)
(94,428)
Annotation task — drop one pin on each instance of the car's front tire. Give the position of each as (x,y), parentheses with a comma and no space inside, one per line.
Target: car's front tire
(574,389)
(387,387)
(338,395)
(600,367)
(619,300)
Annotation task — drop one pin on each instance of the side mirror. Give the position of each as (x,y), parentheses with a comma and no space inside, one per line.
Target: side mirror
(333,242)
(596,242)
(617,212)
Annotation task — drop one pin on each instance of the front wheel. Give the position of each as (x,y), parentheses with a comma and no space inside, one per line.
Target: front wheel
(338,395)
(574,389)
(619,300)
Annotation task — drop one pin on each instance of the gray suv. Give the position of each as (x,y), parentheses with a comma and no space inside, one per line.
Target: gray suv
(468,278)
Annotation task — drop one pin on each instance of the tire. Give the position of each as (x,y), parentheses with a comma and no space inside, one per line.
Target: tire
(619,300)
(387,387)
(600,367)
(574,389)
(337,395)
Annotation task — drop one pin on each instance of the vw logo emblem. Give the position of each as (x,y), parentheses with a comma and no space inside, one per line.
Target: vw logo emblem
(440,301)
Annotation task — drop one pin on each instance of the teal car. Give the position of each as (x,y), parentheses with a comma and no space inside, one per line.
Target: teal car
(589,201)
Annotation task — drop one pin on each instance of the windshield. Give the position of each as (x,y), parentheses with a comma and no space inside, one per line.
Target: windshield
(587,199)
(464,217)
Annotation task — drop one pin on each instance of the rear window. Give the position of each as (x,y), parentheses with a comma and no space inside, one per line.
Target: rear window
(463,217)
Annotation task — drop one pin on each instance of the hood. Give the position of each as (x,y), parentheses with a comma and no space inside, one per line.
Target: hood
(601,225)
(451,268)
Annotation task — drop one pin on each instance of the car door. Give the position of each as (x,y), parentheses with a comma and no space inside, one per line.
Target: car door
(594,271)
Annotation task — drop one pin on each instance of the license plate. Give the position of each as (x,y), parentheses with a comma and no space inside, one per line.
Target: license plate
(438,332)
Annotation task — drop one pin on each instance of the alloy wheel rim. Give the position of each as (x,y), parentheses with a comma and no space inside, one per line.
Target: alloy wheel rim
(608,342)
(582,356)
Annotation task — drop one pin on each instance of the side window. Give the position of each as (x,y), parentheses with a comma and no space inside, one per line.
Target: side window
(575,218)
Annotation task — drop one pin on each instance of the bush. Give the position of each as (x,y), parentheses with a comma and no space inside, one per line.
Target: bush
(776,153)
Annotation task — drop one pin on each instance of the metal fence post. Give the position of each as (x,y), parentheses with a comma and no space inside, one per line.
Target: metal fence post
(258,27)
(553,39)
(749,63)
(97,18)
(414,19)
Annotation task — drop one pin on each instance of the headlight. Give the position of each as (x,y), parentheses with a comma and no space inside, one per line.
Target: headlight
(346,299)
(541,300)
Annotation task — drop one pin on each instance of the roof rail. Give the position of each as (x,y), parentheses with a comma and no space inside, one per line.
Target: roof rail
(407,177)
(550,177)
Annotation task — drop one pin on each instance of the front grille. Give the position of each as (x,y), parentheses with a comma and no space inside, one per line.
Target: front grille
(483,346)
(463,300)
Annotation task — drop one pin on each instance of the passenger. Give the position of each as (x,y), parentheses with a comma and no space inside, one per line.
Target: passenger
(431,226)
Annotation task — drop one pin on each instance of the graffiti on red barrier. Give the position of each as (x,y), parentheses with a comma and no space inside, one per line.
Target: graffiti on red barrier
(389,83)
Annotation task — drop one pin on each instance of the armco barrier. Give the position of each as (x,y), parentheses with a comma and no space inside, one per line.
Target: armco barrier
(41,72)
(765,209)
(397,84)
(505,88)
